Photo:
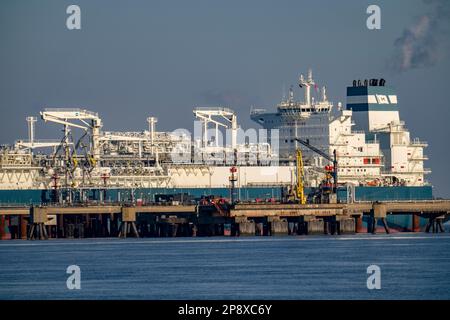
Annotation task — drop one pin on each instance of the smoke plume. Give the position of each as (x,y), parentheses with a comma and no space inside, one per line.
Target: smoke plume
(419,45)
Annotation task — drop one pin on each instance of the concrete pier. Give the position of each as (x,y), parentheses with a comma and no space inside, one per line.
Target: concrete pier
(247,228)
(243,227)
(261,219)
(346,225)
(128,225)
(314,225)
(378,213)
(278,227)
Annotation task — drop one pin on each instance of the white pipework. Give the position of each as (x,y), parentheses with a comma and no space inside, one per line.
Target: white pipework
(308,95)
(205,134)
(31,121)
(96,126)
(233,131)
(140,149)
(216,138)
(151,127)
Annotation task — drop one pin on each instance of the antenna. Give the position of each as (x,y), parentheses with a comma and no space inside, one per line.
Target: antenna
(307,85)
(302,79)
(291,94)
(310,75)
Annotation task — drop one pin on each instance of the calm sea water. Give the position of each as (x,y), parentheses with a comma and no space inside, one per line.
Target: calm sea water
(413,266)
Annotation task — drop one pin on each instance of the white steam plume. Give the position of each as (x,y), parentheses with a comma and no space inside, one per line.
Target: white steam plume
(419,45)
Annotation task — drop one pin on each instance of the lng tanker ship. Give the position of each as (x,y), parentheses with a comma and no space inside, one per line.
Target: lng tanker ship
(377,158)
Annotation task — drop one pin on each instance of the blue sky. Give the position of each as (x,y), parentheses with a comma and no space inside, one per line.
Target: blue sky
(132,59)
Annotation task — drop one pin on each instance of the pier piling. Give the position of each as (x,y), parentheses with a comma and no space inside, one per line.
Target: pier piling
(128,222)
(359,224)
(415,223)
(378,211)
(278,226)
(38,218)
(435,223)
(245,227)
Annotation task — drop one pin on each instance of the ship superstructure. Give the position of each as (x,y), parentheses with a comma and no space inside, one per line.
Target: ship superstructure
(372,145)
(375,111)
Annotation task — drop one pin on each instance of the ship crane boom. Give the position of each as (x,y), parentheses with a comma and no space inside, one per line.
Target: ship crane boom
(332,159)
(90,121)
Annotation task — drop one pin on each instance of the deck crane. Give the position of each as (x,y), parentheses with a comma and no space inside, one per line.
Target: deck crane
(87,121)
(332,159)
(299,188)
(215,116)
(90,121)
